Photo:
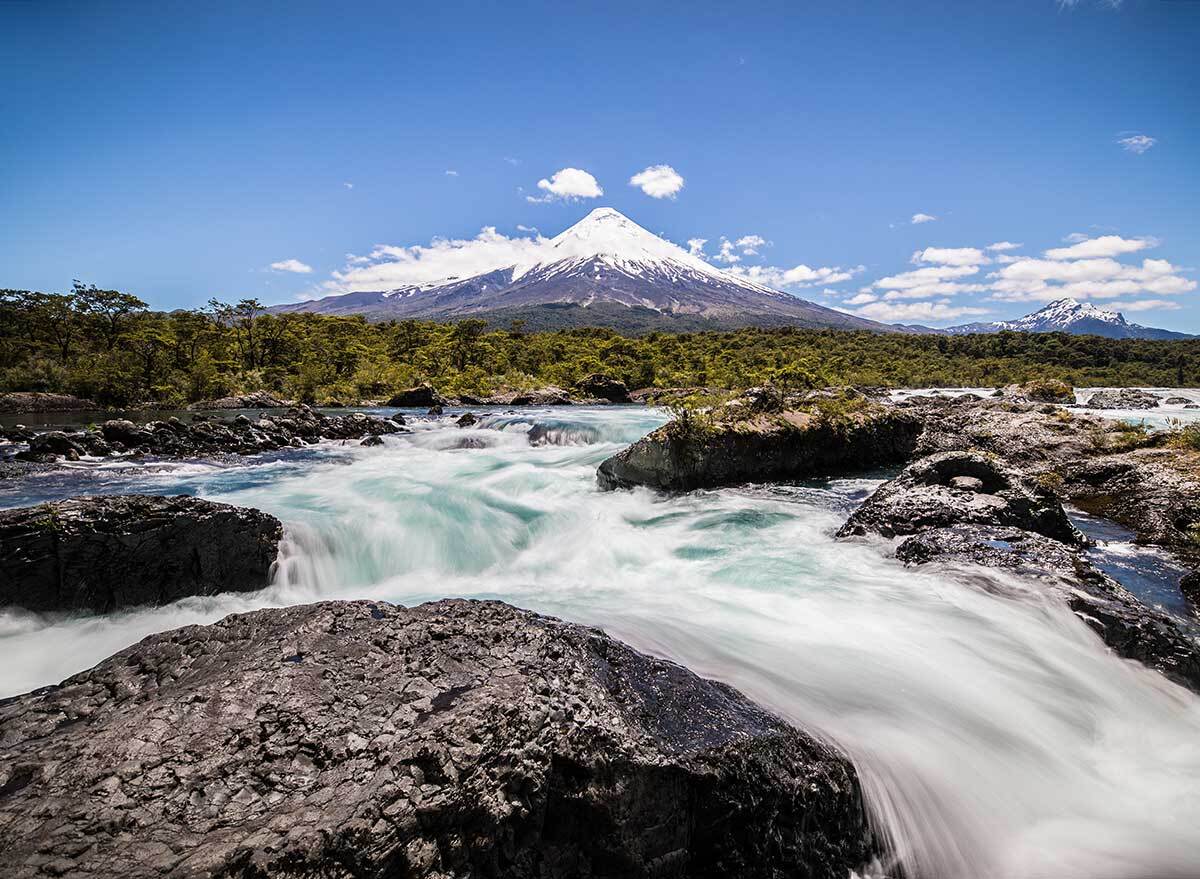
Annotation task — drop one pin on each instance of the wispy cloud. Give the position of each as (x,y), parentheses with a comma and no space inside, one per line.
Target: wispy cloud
(451,173)
(1105,245)
(567,184)
(658,181)
(905,312)
(922,218)
(1137,143)
(291,265)
(348,185)
(1003,245)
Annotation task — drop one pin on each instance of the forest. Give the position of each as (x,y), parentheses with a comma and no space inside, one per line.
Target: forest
(108,346)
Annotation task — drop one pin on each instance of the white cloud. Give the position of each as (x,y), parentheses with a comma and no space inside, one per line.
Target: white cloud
(348,185)
(799,276)
(389,267)
(1144,305)
(1041,280)
(916,311)
(750,244)
(1075,237)
(291,265)
(927,275)
(726,254)
(567,184)
(1003,245)
(862,298)
(521,228)
(1105,245)
(696,246)
(658,181)
(922,218)
(1137,143)
(450,173)
(950,256)
(512,161)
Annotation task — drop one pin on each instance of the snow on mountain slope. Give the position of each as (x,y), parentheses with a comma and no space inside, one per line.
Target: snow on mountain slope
(1071,316)
(605,258)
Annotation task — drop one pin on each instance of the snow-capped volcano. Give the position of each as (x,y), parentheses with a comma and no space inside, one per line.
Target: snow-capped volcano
(1072,316)
(603,262)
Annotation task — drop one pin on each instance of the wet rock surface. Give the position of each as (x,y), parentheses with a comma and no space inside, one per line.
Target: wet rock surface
(32,401)
(1129,627)
(451,739)
(955,488)
(1123,398)
(764,441)
(255,400)
(603,387)
(108,552)
(422,396)
(205,435)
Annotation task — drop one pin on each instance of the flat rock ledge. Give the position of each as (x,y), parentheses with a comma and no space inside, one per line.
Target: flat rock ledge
(108,552)
(457,738)
(761,445)
(35,401)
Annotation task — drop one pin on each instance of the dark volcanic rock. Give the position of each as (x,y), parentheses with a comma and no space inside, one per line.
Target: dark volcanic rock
(372,440)
(1176,401)
(958,488)
(467,419)
(1129,627)
(255,400)
(1190,587)
(113,551)
(548,396)
(451,739)
(604,387)
(422,396)
(761,446)
(1122,398)
(23,401)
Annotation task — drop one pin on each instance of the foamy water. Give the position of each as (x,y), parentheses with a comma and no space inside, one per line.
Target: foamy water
(994,733)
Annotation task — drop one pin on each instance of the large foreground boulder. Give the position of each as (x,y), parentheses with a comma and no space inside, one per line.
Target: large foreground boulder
(33,401)
(603,387)
(748,441)
(107,552)
(420,397)
(953,488)
(451,739)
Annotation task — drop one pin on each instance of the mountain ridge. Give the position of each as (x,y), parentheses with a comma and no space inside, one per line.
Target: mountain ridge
(1069,315)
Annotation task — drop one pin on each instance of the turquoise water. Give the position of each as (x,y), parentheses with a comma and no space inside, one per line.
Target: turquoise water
(995,735)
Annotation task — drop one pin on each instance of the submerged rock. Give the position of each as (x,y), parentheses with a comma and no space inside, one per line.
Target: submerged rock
(108,552)
(467,419)
(1122,398)
(451,739)
(1130,628)
(956,488)
(747,442)
(33,401)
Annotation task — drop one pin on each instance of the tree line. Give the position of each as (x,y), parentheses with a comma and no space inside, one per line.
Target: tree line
(108,346)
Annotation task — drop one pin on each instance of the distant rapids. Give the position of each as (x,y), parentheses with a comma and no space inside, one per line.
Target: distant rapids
(994,733)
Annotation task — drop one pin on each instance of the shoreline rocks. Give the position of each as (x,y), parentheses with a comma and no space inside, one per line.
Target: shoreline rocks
(453,738)
(205,435)
(21,402)
(254,400)
(423,396)
(108,552)
(1123,398)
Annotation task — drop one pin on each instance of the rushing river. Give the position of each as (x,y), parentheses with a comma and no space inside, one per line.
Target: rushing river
(994,733)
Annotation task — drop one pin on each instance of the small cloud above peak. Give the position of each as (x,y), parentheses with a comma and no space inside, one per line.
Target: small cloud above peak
(451,173)
(291,265)
(567,184)
(1137,143)
(658,181)
(922,218)
(1102,247)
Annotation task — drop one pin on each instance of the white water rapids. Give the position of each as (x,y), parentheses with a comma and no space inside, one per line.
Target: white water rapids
(994,733)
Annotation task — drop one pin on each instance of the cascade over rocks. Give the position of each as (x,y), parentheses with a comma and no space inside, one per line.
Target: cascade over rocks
(953,488)
(1129,627)
(204,435)
(755,438)
(451,739)
(108,552)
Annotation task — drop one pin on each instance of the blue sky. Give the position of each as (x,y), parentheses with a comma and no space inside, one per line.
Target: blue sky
(178,150)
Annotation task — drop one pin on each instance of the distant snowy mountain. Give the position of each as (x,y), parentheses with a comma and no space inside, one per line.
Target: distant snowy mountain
(1071,316)
(604,266)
